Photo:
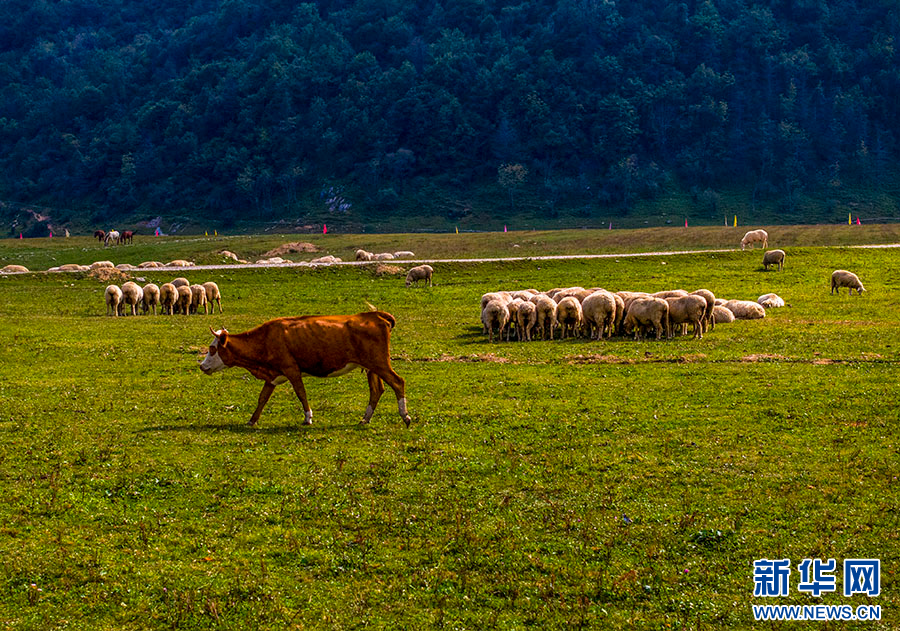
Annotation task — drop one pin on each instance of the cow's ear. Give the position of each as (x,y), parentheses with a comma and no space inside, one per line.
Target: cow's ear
(223,338)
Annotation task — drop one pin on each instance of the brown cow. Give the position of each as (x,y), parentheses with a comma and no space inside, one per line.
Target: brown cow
(284,349)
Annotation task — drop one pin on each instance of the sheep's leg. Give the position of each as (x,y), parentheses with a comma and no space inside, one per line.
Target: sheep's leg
(376,389)
(398,385)
(267,390)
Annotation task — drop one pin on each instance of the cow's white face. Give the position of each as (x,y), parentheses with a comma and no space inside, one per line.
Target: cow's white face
(212,363)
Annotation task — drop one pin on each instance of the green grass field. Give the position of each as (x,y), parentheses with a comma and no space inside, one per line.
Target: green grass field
(546,485)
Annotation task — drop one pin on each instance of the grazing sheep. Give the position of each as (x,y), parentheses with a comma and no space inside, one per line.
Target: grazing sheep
(569,315)
(168,298)
(99,264)
(113,297)
(149,264)
(770,301)
(198,299)
(213,295)
(774,257)
(277,260)
(364,255)
(599,313)
(151,298)
(494,314)
(645,313)
(524,294)
(124,267)
(708,321)
(185,296)
(526,319)
(404,254)
(180,263)
(843,278)
(755,236)
(421,272)
(620,313)
(687,310)
(13,269)
(545,308)
(745,309)
(513,307)
(721,315)
(230,255)
(577,292)
(181,282)
(384,256)
(132,296)
(630,296)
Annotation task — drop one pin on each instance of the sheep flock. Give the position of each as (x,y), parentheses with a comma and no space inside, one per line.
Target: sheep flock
(177,297)
(597,314)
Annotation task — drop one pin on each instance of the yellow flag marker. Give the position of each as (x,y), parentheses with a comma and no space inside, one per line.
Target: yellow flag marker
(206,234)
(457,229)
(850,219)
(735,221)
(216,232)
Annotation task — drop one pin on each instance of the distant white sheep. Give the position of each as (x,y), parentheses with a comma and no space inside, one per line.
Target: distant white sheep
(364,255)
(14,269)
(213,295)
(843,278)
(526,319)
(420,272)
(183,305)
(546,315)
(644,313)
(722,315)
(180,263)
(599,313)
(745,309)
(384,256)
(404,254)
(101,264)
(569,315)
(495,314)
(770,301)
(151,298)
(774,257)
(198,299)
(132,296)
(168,298)
(755,236)
(113,298)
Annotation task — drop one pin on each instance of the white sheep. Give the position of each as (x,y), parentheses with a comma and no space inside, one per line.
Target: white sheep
(686,310)
(100,264)
(185,296)
(774,257)
(150,264)
(745,309)
(364,255)
(168,298)
(770,301)
(569,315)
(421,272)
(213,294)
(180,263)
(113,298)
(404,254)
(709,322)
(755,236)
(599,313)
(198,299)
(495,314)
(546,314)
(721,315)
(151,298)
(384,256)
(670,293)
(526,319)
(181,282)
(132,296)
(646,313)
(14,269)
(513,308)
(277,260)
(843,278)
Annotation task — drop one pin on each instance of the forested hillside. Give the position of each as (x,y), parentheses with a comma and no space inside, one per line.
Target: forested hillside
(248,109)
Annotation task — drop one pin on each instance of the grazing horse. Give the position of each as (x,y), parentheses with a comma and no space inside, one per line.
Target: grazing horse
(100,235)
(112,235)
(127,236)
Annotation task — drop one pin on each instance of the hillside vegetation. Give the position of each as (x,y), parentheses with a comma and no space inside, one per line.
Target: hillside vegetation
(370,113)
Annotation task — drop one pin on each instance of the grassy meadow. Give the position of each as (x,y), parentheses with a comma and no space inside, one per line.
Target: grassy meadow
(547,485)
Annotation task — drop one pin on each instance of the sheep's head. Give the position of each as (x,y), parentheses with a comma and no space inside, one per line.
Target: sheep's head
(213,363)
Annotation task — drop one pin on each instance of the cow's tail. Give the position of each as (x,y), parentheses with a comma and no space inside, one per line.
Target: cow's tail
(370,305)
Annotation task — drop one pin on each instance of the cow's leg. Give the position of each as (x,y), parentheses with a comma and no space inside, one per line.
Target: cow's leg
(296,380)
(398,385)
(267,390)
(376,389)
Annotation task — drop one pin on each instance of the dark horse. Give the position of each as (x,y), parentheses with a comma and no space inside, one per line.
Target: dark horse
(127,236)
(99,235)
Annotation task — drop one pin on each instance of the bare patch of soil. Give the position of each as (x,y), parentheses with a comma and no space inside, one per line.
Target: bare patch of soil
(288,248)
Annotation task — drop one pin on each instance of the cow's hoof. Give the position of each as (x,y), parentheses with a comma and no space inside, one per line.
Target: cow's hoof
(251,423)
(407,419)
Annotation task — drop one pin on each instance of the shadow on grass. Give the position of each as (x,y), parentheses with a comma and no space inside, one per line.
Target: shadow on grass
(244,428)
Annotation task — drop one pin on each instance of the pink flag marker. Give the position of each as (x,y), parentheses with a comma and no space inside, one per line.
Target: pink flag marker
(324,229)
(504,228)
(685,222)
(858,223)
(20,235)
(610,225)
